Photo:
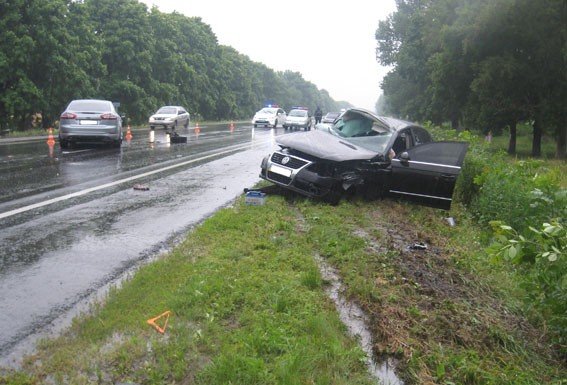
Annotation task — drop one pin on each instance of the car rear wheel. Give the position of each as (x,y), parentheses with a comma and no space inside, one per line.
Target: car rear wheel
(64,144)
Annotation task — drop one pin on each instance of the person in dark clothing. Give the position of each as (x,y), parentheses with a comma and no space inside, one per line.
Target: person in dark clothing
(318,115)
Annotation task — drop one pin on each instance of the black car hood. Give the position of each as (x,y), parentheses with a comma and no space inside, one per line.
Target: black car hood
(324,145)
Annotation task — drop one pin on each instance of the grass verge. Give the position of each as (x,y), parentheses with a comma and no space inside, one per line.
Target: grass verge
(249,307)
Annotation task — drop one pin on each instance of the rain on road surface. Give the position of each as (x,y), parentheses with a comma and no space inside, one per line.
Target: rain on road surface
(72,224)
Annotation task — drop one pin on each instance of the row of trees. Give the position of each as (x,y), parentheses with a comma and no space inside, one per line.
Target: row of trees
(488,64)
(53,51)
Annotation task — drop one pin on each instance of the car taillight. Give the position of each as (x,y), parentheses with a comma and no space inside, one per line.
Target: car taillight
(68,115)
(108,117)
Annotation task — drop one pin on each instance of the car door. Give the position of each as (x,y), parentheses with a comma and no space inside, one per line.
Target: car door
(281,116)
(428,172)
(184,117)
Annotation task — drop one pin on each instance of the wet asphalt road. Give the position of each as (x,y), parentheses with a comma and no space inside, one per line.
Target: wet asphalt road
(72,224)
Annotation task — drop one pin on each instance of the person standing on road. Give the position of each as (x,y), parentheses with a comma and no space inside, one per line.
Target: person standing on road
(318,115)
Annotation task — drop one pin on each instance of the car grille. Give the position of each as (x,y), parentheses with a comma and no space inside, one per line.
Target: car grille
(294,163)
(279,178)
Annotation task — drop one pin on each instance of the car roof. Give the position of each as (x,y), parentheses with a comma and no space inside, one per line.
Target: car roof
(393,123)
(91,100)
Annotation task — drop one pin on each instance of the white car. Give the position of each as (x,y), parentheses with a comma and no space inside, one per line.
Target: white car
(298,118)
(269,116)
(170,117)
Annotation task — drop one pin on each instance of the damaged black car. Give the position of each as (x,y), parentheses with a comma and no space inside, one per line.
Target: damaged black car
(368,154)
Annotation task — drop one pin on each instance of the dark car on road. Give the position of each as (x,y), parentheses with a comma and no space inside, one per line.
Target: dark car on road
(90,121)
(368,153)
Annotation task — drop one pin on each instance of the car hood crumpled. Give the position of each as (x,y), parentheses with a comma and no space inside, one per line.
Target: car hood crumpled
(324,145)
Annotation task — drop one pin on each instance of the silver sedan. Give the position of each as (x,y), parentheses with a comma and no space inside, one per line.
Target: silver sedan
(88,121)
(170,117)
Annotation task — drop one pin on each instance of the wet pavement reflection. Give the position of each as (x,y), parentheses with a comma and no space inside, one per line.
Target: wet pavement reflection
(56,256)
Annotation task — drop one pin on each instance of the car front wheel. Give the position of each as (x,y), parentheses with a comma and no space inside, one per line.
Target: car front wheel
(333,197)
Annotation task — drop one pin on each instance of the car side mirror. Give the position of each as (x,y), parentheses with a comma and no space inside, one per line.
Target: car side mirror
(404,157)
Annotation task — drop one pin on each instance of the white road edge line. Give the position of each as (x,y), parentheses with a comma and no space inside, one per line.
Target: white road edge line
(106,185)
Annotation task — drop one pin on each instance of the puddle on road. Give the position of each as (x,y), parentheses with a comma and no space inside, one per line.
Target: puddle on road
(356,321)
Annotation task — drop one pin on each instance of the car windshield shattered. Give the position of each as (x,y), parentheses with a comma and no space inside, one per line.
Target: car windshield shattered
(363,132)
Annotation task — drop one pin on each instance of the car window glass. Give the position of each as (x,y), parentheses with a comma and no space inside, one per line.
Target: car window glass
(356,127)
(421,136)
(376,143)
(298,113)
(90,106)
(399,145)
(447,153)
(166,110)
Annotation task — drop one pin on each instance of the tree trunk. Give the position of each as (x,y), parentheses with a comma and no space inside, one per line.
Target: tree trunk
(536,143)
(455,123)
(512,142)
(561,149)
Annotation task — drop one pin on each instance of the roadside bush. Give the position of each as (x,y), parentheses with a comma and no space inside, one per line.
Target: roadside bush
(477,160)
(523,207)
(541,255)
(519,194)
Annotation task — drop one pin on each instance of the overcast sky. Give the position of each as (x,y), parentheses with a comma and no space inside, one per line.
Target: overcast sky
(330,42)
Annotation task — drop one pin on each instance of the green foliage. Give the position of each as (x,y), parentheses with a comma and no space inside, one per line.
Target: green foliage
(542,256)
(54,51)
(487,64)
(518,194)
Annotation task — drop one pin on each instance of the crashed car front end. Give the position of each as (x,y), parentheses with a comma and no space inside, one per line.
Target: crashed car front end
(319,178)
(320,166)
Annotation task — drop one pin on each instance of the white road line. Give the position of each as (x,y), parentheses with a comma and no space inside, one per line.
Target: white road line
(106,185)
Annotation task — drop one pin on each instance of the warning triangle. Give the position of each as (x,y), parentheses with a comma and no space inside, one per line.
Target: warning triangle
(152,321)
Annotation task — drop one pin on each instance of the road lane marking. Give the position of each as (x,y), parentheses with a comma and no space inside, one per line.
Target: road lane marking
(115,183)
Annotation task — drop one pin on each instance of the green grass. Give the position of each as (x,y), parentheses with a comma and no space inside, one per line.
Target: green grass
(524,139)
(27,133)
(247,308)
(248,305)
